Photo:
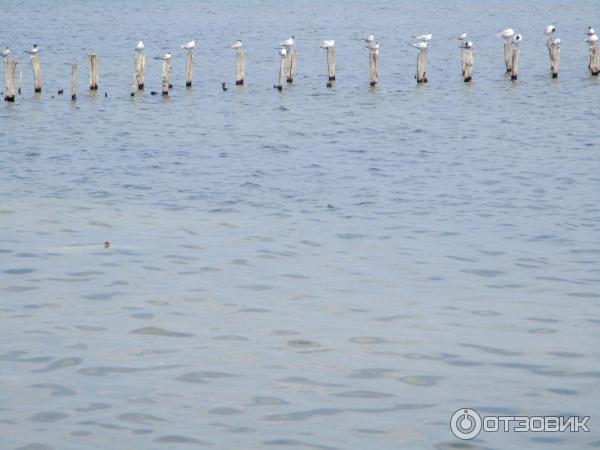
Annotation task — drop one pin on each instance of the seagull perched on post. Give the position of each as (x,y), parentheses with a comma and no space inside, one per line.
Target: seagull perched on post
(288,42)
(33,50)
(166,57)
(190,45)
(370,38)
(327,43)
(592,39)
(590,31)
(466,45)
(555,43)
(517,39)
(506,34)
(424,37)
(549,29)
(283,52)
(140,45)
(420,45)
(5,52)
(236,45)
(461,37)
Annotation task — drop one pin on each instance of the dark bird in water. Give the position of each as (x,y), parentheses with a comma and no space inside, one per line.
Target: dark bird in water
(106,94)
(60,92)
(224,86)
(106,244)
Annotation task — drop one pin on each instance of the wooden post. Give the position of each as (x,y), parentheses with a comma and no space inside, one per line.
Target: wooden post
(37,73)
(373,59)
(469,60)
(74,82)
(515,63)
(94,73)
(140,65)
(507,56)
(189,68)
(282,73)
(20,80)
(166,73)
(240,67)
(594,60)
(331,65)
(422,66)
(463,60)
(134,84)
(291,58)
(554,52)
(10,65)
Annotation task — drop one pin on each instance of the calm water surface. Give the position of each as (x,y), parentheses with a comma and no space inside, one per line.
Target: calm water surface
(320,269)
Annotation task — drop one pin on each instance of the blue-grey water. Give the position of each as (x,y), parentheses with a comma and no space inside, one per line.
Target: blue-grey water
(315,269)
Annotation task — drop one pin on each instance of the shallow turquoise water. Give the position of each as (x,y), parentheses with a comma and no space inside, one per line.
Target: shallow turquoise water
(337,268)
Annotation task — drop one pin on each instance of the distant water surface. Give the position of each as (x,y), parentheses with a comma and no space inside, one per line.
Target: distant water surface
(318,269)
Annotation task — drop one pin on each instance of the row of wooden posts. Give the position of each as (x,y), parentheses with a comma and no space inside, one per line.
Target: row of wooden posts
(287,68)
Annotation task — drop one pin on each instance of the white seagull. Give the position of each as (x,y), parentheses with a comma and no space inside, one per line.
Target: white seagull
(592,39)
(288,42)
(236,45)
(33,50)
(467,45)
(549,29)
(590,31)
(327,43)
(370,38)
(424,37)
(5,52)
(420,45)
(555,43)
(190,45)
(166,57)
(506,34)
(283,52)
(517,39)
(140,45)
(461,37)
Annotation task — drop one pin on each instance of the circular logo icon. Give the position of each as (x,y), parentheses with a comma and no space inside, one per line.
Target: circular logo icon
(465,423)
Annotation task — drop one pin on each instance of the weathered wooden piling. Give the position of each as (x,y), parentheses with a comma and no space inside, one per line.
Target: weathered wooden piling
(422,66)
(594,60)
(514,74)
(468,60)
(507,56)
(74,82)
(331,65)
(140,66)
(93,70)
(20,88)
(291,69)
(240,72)
(554,52)
(374,61)
(10,65)
(189,68)
(282,72)
(37,73)
(166,74)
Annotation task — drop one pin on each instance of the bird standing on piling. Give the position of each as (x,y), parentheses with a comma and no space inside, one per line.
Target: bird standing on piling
(370,38)
(288,43)
(506,34)
(166,57)
(590,31)
(5,52)
(419,45)
(33,50)
(190,45)
(327,43)
(283,52)
(549,30)
(461,37)
(592,39)
(517,39)
(424,37)
(140,45)
(466,45)
(236,45)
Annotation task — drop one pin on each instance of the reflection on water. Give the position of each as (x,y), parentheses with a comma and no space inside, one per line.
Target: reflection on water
(321,269)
